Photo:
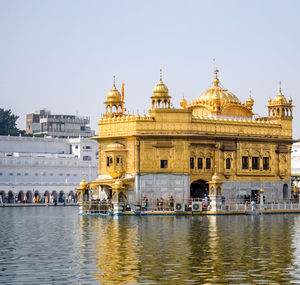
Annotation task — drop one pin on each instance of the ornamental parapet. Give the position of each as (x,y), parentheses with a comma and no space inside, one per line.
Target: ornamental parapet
(135,125)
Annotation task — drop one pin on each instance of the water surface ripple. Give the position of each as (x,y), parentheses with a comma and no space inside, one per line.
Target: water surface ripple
(56,246)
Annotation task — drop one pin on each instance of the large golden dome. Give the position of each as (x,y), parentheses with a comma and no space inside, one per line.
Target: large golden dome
(216,91)
(219,101)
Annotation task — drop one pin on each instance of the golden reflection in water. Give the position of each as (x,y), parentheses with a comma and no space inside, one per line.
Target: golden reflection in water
(164,256)
(296,244)
(241,249)
(117,249)
(175,250)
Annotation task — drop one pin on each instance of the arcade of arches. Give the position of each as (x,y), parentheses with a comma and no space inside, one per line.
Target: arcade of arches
(36,196)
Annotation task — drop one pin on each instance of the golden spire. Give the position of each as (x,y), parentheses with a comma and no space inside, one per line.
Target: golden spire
(160,75)
(183,102)
(114,81)
(216,81)
(280,88)
(250,101)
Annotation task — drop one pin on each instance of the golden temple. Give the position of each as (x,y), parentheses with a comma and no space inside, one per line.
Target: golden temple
(212,146)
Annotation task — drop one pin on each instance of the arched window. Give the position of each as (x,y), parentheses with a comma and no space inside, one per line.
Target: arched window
(208,163)
(228,163)
(109,161)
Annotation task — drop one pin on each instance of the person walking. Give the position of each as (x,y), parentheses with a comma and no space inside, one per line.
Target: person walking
(253,206)
(171,201)
(161,204)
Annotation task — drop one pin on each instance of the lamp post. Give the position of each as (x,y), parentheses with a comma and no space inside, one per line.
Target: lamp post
(261,191)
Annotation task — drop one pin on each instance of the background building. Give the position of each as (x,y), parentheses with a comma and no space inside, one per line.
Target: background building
(296,167)
(42,166)
(62,126)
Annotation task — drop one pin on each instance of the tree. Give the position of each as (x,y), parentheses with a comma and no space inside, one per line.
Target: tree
(8,123)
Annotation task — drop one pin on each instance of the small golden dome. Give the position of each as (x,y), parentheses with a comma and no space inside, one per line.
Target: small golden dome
(160,90)
(183,103)
(119,183)
(113,95)
(115,146)
(280,99)
(250,102)
(216,178)
(83,184)
(270,101)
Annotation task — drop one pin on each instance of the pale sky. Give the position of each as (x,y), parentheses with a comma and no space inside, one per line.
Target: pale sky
(62,55)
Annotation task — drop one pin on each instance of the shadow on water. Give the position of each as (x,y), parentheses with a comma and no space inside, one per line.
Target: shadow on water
(56,246)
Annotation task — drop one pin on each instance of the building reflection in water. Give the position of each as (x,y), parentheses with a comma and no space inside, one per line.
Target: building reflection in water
(168,249)
(117,252)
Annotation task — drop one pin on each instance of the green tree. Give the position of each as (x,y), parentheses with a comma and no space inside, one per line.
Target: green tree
(8,123)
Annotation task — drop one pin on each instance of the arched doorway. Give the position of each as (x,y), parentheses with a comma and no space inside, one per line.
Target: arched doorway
(21,196)
(3,196)
(198,189)
(61,197)
(37,196)
(71,197)
(54,196)
(11,197)
(46,196)
(29,196)
(121,197)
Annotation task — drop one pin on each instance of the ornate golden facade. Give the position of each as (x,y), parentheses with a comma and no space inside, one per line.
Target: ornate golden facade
(212,142)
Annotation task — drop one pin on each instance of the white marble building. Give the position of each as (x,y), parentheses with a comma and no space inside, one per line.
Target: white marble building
(31,166)
(296,164)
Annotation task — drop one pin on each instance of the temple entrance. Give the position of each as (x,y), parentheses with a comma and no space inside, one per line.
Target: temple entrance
(198,189)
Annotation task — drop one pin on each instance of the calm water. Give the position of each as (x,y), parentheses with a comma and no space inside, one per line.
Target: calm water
(56,246)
